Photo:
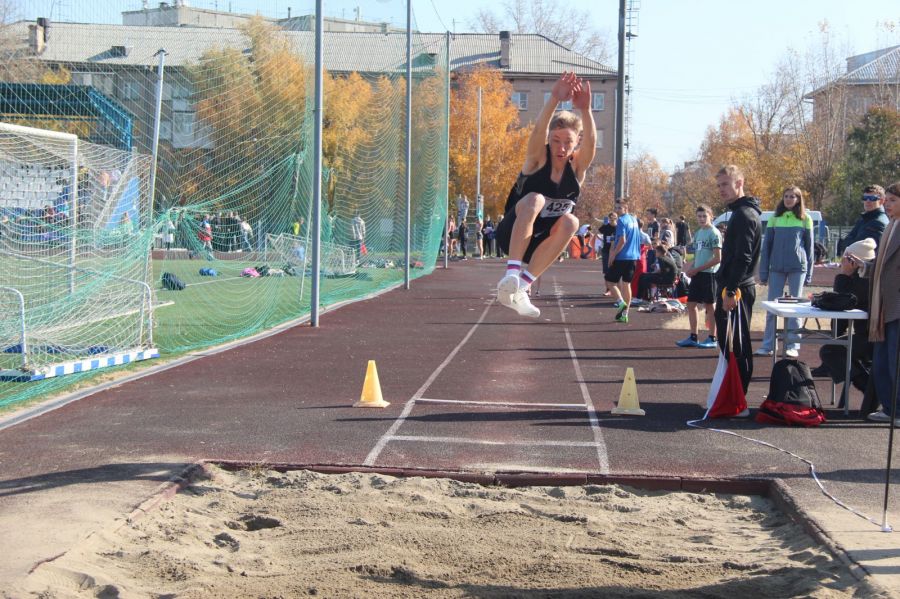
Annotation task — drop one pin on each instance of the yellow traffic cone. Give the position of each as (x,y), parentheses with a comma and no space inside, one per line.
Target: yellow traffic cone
(371,393)
(628,399)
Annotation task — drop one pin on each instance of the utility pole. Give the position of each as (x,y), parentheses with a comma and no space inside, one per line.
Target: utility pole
(620,108)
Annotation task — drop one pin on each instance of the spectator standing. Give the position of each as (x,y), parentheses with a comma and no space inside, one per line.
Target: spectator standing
(462,208)
(623,257)
(479,239)
(653,225)
(682,233)
(872,221)
(169,235)
(358,233)
(246,234)
(451,235)
(702,290)
(740,256)
(787,259)
(884,307)
(462,232)
(488,234)
(607,234)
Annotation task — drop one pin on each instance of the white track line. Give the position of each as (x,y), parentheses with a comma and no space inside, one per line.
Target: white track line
(488,442)
(602,457)
(505,404)
(379,446)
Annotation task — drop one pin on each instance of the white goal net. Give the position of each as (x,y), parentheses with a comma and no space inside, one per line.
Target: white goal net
(74,239)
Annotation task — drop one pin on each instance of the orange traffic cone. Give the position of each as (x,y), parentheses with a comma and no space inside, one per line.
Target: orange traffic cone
(371,393)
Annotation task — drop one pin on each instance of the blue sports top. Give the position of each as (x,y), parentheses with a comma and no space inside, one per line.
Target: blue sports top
(627,228)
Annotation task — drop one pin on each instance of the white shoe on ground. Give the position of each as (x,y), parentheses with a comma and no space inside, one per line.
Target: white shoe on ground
(506,288)
(521,303)
(880,416)
(792,353)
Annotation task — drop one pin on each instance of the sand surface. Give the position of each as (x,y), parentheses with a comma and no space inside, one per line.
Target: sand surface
(260,533)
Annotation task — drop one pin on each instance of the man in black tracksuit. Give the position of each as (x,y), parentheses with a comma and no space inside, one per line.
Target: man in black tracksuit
(740,255)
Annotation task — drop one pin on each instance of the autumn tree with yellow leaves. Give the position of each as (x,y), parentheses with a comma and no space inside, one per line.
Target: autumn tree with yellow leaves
(503,140)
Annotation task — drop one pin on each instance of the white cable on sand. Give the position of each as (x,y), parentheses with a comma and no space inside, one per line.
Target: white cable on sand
(812,470)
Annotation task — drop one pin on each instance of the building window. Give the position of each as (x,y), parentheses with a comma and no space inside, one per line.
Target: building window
(130,90)
(103,82)
(183,124)
(567,105)
(180,91)
(599,142)
(520,100)
(165,130)
(598,100)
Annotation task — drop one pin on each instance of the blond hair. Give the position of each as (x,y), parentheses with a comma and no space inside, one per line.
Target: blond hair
(566,120)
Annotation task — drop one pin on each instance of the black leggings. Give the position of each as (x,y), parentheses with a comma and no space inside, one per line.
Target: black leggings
(743,350)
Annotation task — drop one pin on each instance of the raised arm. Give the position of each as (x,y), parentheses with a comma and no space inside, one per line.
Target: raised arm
(581,99)
(536,154)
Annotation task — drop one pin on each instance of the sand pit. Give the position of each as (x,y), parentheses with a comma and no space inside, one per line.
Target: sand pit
(260,533)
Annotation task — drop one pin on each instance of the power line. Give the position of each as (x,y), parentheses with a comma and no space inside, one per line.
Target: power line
(440,20)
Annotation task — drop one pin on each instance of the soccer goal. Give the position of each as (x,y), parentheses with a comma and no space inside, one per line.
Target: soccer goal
(336,260)
(74,294)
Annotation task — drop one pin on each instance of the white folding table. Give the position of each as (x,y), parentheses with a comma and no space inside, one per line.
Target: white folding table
(804,311)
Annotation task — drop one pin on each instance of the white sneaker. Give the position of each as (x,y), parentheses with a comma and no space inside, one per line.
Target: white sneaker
(792,353)
(506,288)
(521,303)
(880,416)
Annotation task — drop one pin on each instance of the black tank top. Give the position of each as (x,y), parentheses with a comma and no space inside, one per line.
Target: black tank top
(561,198)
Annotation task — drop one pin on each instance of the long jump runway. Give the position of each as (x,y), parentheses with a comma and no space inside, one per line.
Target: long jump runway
(472,386)
(501,417)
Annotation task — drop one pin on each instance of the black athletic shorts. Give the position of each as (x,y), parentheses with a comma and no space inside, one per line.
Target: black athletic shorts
(541,231)
(703,288)
(621,270)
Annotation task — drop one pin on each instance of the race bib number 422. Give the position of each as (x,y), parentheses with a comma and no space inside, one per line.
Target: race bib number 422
(557,208)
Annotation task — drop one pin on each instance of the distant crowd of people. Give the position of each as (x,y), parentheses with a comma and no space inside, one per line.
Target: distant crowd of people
(720,273)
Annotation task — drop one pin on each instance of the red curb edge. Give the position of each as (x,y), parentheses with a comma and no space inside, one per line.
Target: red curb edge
(196,471)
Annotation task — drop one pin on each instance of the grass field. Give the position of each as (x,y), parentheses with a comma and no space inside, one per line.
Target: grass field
(208,312)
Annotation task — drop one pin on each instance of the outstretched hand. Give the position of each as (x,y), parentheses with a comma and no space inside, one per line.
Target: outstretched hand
(581,97)
(566,86)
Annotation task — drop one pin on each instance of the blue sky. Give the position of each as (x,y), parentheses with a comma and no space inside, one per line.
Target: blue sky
(692,58)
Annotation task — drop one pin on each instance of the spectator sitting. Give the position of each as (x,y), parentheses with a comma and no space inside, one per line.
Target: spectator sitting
(667,232)
(663,277)
(834,357)
(675,254)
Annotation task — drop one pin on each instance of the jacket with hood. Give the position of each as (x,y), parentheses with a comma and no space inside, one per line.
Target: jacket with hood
(870,224)
(787,246)
(740,247)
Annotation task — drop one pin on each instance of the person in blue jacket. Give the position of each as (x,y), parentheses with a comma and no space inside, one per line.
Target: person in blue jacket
(786,259)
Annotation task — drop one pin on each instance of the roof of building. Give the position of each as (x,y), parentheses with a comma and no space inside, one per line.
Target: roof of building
(343,51)
(884,67)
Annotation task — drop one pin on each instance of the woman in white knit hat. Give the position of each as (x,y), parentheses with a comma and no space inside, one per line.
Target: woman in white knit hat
(834,357)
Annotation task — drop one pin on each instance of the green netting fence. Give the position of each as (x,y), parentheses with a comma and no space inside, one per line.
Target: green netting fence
(85,250)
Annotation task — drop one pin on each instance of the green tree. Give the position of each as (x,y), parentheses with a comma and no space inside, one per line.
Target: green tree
(872,157)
